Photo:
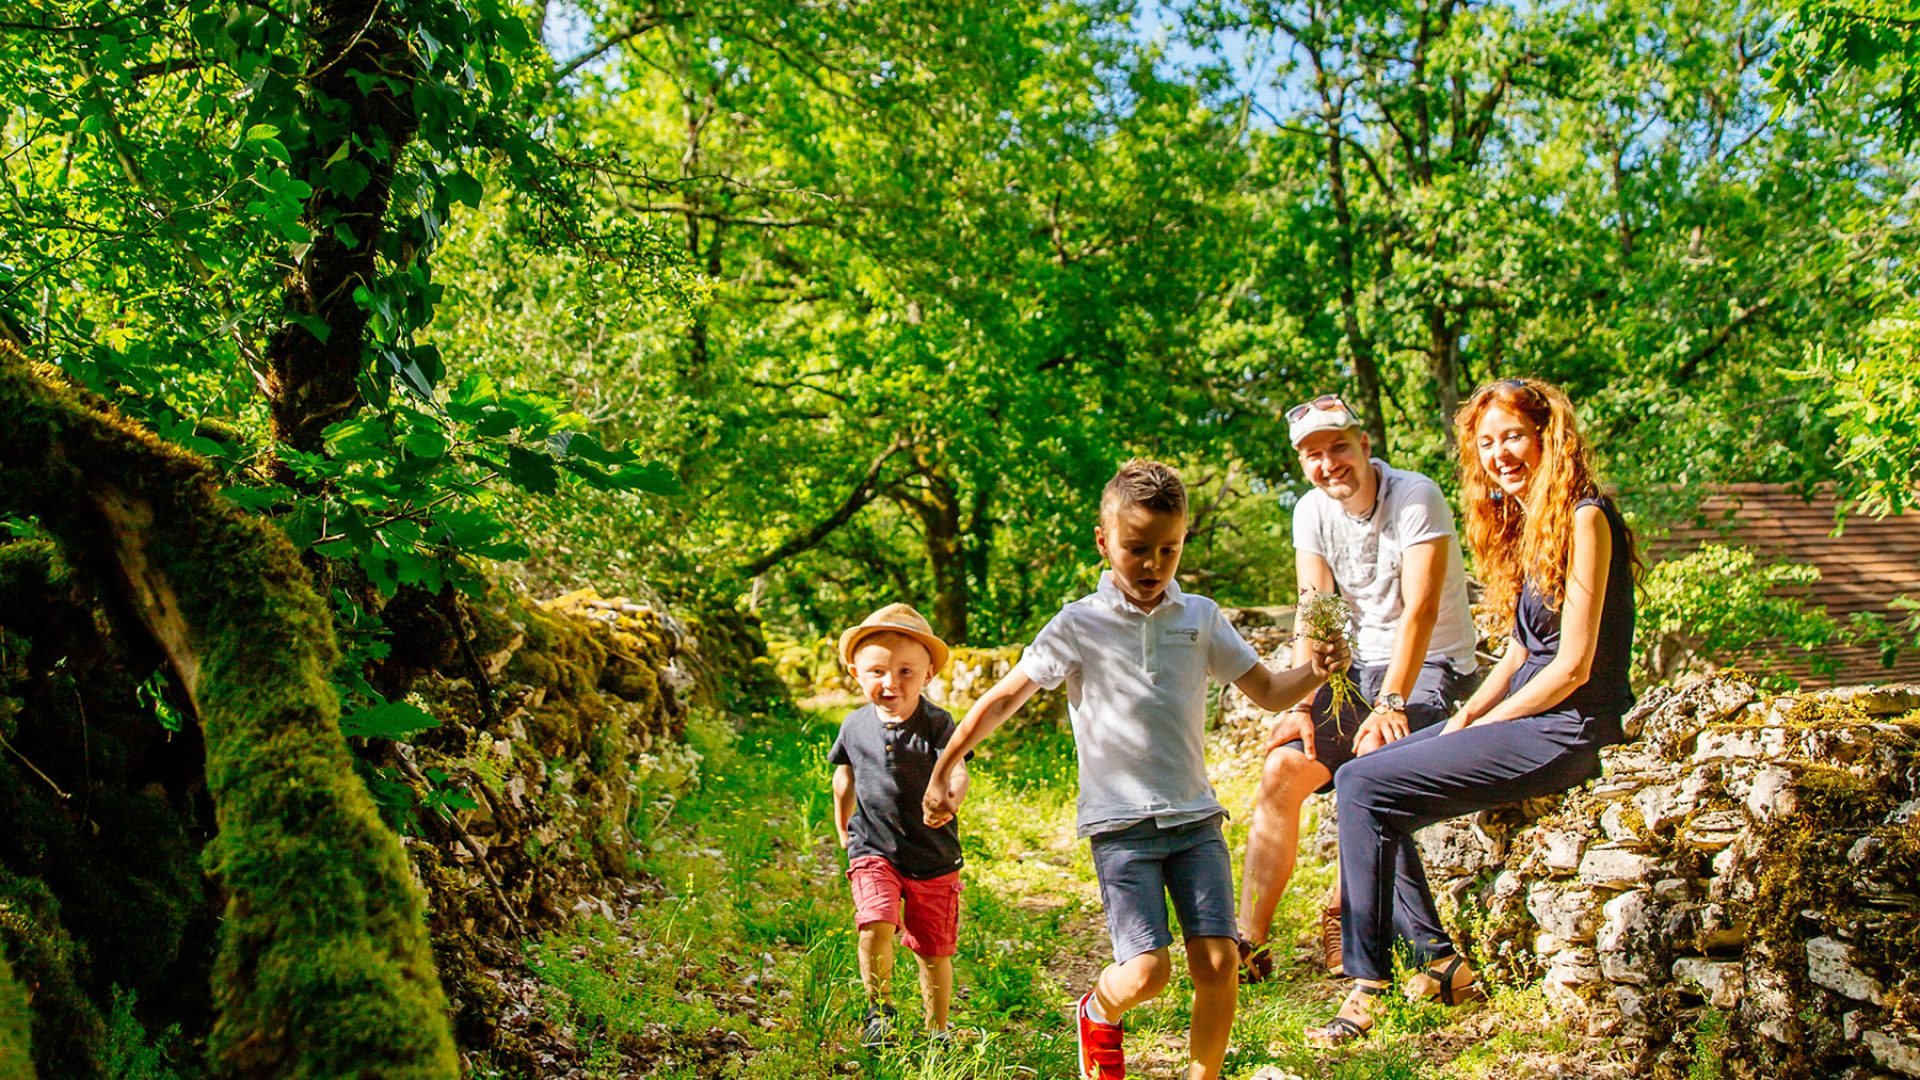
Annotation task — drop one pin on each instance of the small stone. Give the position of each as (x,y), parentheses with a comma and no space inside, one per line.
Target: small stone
(1572,915)
(1850,1025)
(1662,805)
(1831,964)
(1865,850)
(1769,1003)
(1568,975)
(1904,813)
(1673,890)
(1739,743)
(1617,822)
(1625,941)
(1712,830)
(1772,796)
(1873,700)
(1719,930)
(1722,983)
(1560,849)
(1893,1053)
(1613,867)
(1545,944)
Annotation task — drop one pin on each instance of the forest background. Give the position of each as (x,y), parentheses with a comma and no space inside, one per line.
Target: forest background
(872,298)
(778,312)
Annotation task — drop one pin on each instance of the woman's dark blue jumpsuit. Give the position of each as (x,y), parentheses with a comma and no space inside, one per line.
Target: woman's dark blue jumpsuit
(1427,776)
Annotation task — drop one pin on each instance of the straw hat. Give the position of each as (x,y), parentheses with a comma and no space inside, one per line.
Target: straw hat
(894,619)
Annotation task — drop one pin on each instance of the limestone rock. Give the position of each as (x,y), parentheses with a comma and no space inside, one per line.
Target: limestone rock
(1772,796)
(1572,915)
(1458,848)
(1610,866)
(1560,849)
(1664,805)
(1620,823)
(1712,830)
(1831,964)
(1571,976)
(1628,939)
(1768,1006)
(1722,983)
(1900,1055)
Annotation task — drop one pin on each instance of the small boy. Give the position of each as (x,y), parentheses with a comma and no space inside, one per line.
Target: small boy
(1136,656)
(882,759)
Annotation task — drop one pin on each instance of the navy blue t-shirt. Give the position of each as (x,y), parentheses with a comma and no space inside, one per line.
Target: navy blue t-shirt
(891,766)
(1607,694)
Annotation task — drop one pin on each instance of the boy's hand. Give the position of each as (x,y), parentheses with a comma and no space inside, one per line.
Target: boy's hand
(1328,657)
(1293,724)
(940,803)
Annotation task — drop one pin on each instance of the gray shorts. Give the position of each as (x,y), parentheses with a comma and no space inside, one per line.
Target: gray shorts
(1141,865)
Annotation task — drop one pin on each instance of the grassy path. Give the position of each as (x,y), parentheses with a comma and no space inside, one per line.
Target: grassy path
(740,962)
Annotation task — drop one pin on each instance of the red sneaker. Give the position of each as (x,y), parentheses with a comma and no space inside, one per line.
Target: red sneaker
(1100,1055)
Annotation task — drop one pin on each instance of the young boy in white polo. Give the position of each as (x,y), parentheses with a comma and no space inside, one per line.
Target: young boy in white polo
(1136,656)
(904,872)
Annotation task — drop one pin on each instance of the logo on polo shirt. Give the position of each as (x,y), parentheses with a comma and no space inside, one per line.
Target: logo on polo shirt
(1183,634)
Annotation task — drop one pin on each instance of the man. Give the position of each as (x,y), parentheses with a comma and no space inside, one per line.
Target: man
(1384,538)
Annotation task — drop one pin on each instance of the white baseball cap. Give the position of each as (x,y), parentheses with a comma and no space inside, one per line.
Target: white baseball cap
(1328,412)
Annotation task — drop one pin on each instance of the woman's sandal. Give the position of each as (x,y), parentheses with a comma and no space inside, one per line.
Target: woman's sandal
(1444,988)
(1341,1030)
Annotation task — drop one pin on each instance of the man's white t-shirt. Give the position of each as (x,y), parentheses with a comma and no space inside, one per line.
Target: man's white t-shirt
(1137,697)
(1366,555)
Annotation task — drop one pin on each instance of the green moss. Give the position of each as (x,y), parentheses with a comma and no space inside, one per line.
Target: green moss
(323,966)
(67,1029)
(16,1059)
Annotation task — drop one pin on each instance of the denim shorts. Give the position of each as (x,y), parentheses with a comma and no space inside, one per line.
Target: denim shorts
(1141,865)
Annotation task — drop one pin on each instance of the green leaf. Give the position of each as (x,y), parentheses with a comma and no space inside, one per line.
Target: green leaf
(462,187)
(534,472)
(397,720)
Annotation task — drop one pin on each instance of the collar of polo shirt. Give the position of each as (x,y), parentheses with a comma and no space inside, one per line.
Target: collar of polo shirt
(1116,599)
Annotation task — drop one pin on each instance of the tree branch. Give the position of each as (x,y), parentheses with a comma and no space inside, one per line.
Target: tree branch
(862,494)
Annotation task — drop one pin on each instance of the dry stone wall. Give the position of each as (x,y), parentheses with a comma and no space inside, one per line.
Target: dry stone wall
(1747,867)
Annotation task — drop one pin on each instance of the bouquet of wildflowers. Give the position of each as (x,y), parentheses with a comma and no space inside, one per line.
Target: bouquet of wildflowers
(1325,616)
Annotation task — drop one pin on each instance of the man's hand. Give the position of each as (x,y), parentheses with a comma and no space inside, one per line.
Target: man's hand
(1328,657)
(940,803)
(1381,727)
(1293,724)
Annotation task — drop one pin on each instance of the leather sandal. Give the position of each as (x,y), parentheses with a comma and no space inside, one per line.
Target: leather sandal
(1342,1030)
(1444,988)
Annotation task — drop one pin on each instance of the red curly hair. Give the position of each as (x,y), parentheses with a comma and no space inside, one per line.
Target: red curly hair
(1531,536)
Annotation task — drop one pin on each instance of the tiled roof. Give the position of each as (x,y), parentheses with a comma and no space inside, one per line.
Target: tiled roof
(1863,569)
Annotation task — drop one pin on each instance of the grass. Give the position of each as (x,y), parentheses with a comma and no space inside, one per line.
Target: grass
(743,965)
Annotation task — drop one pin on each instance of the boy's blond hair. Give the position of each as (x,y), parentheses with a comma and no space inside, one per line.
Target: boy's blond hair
(1146,484)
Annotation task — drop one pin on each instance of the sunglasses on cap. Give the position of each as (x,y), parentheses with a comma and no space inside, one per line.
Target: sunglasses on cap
(1324,401)
(1509,384)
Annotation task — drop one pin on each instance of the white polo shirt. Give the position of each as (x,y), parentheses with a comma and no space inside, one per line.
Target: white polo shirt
(1137,697)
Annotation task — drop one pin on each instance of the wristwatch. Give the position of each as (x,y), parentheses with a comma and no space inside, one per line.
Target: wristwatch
(1388,701)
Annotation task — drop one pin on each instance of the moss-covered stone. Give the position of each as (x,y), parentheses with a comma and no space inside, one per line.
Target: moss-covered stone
(323,966)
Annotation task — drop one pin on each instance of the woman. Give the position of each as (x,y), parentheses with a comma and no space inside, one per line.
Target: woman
(1553,551)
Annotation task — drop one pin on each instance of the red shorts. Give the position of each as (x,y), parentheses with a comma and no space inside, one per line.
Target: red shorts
(932,923)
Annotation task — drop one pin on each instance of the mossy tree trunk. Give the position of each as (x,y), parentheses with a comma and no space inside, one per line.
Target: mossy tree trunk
(323,967)
(16,1059)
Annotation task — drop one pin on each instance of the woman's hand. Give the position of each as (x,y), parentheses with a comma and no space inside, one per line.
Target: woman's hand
(1458,720)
